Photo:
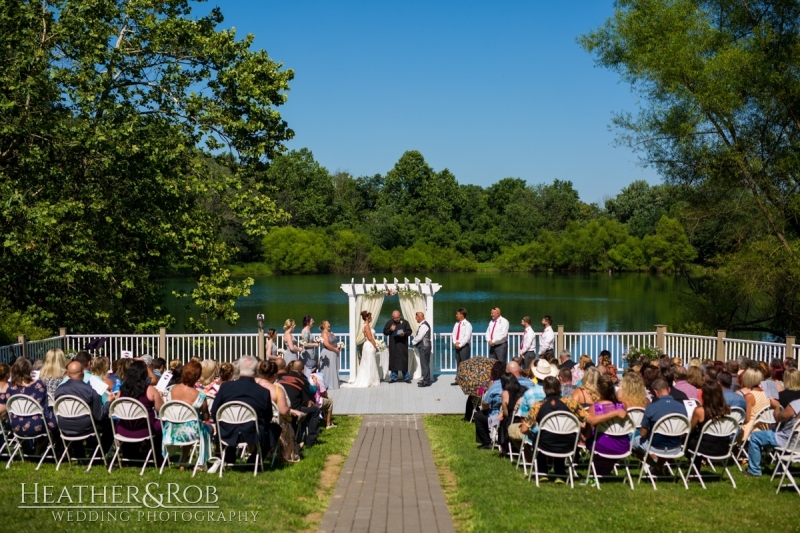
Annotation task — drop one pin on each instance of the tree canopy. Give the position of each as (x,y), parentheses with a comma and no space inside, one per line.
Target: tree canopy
(132,134)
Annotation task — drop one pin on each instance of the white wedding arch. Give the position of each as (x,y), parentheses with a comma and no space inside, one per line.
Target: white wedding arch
(414,296)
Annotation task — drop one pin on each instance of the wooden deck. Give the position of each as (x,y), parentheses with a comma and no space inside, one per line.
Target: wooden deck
(401,398)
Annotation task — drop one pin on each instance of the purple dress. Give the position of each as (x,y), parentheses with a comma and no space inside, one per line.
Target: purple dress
(137,429)
(32,426)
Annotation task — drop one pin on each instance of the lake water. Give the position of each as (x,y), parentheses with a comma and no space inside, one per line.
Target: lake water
(580,302)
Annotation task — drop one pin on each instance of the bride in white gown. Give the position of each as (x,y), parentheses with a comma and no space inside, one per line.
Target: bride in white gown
(367,375)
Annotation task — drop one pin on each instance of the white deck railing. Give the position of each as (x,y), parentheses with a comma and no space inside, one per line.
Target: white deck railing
(689,346)
(228,347)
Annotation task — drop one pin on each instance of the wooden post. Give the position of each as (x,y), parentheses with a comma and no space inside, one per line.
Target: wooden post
(21,339)
(62,332)
(559,341)
(790,340)
(661,337)
(260,341)
(162,343)
(721,334)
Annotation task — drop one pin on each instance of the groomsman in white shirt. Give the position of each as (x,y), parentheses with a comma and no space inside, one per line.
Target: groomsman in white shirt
(462,338)
(422,342)
(528,347)
(547,342)
(497,336)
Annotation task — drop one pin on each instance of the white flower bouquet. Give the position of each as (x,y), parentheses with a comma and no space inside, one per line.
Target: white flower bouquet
(281,351)
(340,345)
(381,345)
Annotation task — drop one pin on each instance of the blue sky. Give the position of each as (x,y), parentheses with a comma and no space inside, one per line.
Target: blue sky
(488,90)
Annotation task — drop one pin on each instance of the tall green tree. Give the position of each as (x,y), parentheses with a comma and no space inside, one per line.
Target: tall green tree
(115,117)
(303,188)
(720,84)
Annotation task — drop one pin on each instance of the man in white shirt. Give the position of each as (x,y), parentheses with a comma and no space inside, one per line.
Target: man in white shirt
(527,348)
(462,338)
(422,342)
(497,336)
(548,340)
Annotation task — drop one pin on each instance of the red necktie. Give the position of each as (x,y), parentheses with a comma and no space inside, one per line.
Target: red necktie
(458,331)
(491,335)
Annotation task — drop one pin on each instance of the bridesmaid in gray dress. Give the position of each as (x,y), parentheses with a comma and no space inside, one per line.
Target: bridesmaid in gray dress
(308,347)
(291,349)
(329,356)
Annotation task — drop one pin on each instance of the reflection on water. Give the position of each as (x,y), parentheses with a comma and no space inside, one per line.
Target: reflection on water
(580,302)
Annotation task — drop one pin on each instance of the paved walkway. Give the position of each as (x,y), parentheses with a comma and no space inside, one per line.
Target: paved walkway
(400,398)
(389,481)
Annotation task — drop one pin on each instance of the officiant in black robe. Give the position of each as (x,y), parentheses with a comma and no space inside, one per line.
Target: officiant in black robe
(398,330)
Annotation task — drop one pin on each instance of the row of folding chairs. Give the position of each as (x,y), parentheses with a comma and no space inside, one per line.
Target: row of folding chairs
(174,412)
(676,426)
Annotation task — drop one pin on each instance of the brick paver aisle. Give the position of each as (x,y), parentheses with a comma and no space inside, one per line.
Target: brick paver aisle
(389,481)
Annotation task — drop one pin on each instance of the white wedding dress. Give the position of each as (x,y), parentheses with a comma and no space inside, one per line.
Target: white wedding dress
(367,373)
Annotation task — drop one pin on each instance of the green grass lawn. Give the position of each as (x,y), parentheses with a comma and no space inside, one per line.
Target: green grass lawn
(289,498)
(486,493)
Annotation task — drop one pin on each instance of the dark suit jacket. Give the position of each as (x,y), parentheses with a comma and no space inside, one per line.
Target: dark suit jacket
(402,325)
(84,391)
(246,390)
(298,390)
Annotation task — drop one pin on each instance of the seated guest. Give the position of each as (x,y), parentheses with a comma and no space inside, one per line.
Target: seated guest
(207,375)
(122,368)
(732,367)
(565,360)
(136,386)
(5,372)
(605,360)
(632,392)
(680,383)
(756,400)
(159,366)
(268,374)
(586,394)
(175,363)
(70,427)
(490,407)
(791,387)
(531,396)
(776,369)
(584,362)
(324,403)
(53,370)
(553,402)
(607,444)
(650,374)
(694,376)
(21,383)
(300,393)
(663,405)
(786,417)
(733,399)
(714,407)
(668,375)
(246,390)
(512,394)
(178,434)
(99,370)
(514,369)
(565,378)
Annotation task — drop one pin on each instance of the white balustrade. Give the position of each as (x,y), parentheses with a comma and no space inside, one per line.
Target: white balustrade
(689,346)
(755,350)
(618,344)
(116,344)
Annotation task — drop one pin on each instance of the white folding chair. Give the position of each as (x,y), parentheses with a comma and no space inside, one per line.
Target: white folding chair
(24,406)
(558,423)
(617,427)
(725,426)
(178,413)
(511,453)
(765,415)
(476,405)
(521,460)
(237,413)
(66,407)
(669,426)
(636,415)
(8,436)
(787,455)
(740,416)
(128,409)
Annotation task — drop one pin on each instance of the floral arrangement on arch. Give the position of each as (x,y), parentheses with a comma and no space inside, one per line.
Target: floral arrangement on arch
(410,293)
(375,292)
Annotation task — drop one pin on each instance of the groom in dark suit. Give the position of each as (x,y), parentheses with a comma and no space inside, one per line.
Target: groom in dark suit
(398,330)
